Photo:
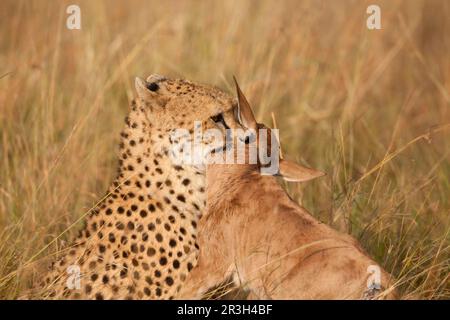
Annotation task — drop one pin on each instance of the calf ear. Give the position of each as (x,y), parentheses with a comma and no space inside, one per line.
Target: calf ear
(245,113)
(291,171)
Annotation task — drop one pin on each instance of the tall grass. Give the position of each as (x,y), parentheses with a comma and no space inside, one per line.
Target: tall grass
(371,108)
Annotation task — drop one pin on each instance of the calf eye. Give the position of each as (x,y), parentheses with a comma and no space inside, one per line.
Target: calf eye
(152,86)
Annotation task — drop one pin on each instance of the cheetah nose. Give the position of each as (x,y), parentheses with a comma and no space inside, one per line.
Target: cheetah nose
(155,78)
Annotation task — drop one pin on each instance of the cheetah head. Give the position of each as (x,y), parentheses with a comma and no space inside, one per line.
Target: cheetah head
(189,108)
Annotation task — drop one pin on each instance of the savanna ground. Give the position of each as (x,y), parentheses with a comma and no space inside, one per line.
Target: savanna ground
(371,108)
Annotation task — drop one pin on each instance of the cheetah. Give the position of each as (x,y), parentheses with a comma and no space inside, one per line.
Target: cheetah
(140,241)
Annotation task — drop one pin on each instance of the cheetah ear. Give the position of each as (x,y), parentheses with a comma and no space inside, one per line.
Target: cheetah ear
(291,171)
(141,88)
(146,92)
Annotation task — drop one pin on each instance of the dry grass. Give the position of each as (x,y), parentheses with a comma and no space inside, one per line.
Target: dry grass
(371,108)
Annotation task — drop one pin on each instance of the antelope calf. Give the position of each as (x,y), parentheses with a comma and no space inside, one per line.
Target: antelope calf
(254,235)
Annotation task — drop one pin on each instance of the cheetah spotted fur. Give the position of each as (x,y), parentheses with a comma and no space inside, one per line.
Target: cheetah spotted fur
(140,241)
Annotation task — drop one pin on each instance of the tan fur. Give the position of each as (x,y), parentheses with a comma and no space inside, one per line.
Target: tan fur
(256,233)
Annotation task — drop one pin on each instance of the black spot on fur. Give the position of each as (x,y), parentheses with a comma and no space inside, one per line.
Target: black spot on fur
(143,213)
(169,281)
(151,252)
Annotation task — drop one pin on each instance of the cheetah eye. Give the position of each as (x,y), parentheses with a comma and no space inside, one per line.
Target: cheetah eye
(217,118)
(152,86)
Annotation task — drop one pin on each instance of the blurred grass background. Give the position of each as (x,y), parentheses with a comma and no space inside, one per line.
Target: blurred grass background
(371,108)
